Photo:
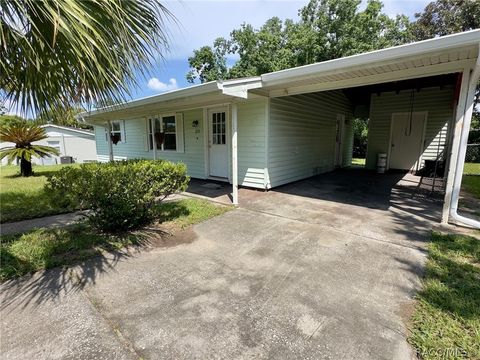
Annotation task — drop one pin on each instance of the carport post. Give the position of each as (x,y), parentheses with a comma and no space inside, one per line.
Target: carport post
(234,156)
(154,141)
(457,130)
(109,139)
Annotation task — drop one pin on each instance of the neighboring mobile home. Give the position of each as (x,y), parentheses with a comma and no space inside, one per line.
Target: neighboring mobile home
(79,144)
(288,125)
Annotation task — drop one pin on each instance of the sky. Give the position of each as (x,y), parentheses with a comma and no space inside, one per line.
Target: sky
(200,22)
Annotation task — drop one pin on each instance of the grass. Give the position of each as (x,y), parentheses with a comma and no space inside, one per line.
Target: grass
(47,248)
(446,321)
(358,162)
(24,197)
(471,169)
(471,184)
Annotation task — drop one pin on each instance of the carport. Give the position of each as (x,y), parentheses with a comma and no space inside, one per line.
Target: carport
(439,73)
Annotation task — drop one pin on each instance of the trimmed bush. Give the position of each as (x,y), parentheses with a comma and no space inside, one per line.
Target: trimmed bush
(120,195)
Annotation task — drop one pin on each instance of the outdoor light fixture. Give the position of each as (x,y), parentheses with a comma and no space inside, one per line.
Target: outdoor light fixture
(195,123)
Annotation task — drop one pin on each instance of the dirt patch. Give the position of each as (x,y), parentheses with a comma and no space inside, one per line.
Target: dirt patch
(167,236)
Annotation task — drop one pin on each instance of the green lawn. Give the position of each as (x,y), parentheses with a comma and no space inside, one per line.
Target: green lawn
(471,184)
(46,248)
(358,162)
(24,197)
(446,321)
(471,169)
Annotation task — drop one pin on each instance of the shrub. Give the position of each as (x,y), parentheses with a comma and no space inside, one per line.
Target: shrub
(120,195)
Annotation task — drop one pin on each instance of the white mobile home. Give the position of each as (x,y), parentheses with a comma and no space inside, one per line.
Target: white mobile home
(79,144)
(284,126)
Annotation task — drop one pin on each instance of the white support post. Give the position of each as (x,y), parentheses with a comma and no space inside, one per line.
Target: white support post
(459,147)
(234,156)
(154,141)
(467,119)
(109,139)
(456,132)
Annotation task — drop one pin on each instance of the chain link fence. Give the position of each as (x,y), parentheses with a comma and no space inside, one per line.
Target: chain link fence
(469,204)
(472,160)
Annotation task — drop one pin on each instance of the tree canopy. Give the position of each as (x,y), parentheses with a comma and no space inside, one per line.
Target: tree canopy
(326,29)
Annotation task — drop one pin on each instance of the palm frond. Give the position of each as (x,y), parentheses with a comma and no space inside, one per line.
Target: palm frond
(23,136)
(66,51)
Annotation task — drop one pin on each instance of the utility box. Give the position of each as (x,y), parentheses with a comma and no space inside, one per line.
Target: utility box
(66,160)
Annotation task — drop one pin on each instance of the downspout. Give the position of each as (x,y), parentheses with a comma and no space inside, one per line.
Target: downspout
(462,148)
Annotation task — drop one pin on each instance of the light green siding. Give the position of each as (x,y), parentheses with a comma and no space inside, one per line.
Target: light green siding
(435,101)
(135,145)
(302,135)
(251,143)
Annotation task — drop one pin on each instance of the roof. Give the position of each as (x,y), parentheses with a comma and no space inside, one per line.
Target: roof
(442,55)
(69,128)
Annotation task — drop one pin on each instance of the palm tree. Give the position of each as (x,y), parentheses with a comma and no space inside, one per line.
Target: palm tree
(23,135)
(57,53)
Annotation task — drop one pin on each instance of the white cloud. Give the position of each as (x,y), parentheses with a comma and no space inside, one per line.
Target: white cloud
(156,85)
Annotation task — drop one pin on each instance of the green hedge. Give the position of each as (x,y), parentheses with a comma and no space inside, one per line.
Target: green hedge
(120,195)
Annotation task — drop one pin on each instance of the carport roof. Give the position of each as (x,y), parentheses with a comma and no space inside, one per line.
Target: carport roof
(443,55)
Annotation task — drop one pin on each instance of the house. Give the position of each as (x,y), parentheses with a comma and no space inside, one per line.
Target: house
(266,131)
(71,142)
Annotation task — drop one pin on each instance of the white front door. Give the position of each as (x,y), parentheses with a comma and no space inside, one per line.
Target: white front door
(339,135)
(218,143)
(406,140)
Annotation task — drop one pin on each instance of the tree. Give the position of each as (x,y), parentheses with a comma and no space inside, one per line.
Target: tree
(11,120)
(327,29)
(209,63)
(65,52)
(444,17)
(23,136)
(62,116)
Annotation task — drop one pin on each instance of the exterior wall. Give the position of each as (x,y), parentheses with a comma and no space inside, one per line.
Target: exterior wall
(439,106)
(302,135)
(135,145)
(251,143)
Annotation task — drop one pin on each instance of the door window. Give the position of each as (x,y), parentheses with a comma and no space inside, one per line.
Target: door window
(218,128)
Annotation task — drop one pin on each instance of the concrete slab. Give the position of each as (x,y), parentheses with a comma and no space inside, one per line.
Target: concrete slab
(290,274)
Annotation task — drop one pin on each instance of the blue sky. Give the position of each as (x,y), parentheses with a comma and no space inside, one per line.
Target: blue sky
(200,22)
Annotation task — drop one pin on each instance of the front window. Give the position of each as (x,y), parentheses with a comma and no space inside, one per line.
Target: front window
(165,133)
(116,132)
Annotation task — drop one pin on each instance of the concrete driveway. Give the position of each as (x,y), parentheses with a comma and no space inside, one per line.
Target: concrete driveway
(290,274)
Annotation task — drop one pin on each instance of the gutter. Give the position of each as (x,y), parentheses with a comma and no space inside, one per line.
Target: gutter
(461,150)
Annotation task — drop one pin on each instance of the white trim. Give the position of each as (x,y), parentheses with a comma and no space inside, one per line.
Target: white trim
(234,154)
(422,138)
(81,131)
(206,155)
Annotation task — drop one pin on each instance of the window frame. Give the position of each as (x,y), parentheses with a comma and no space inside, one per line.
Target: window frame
(150,130)
(121,130)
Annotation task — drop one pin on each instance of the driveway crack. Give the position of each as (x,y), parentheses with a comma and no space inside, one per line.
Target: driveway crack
(125,343)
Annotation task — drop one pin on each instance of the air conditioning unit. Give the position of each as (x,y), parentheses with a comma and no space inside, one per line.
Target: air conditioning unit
(66,160)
